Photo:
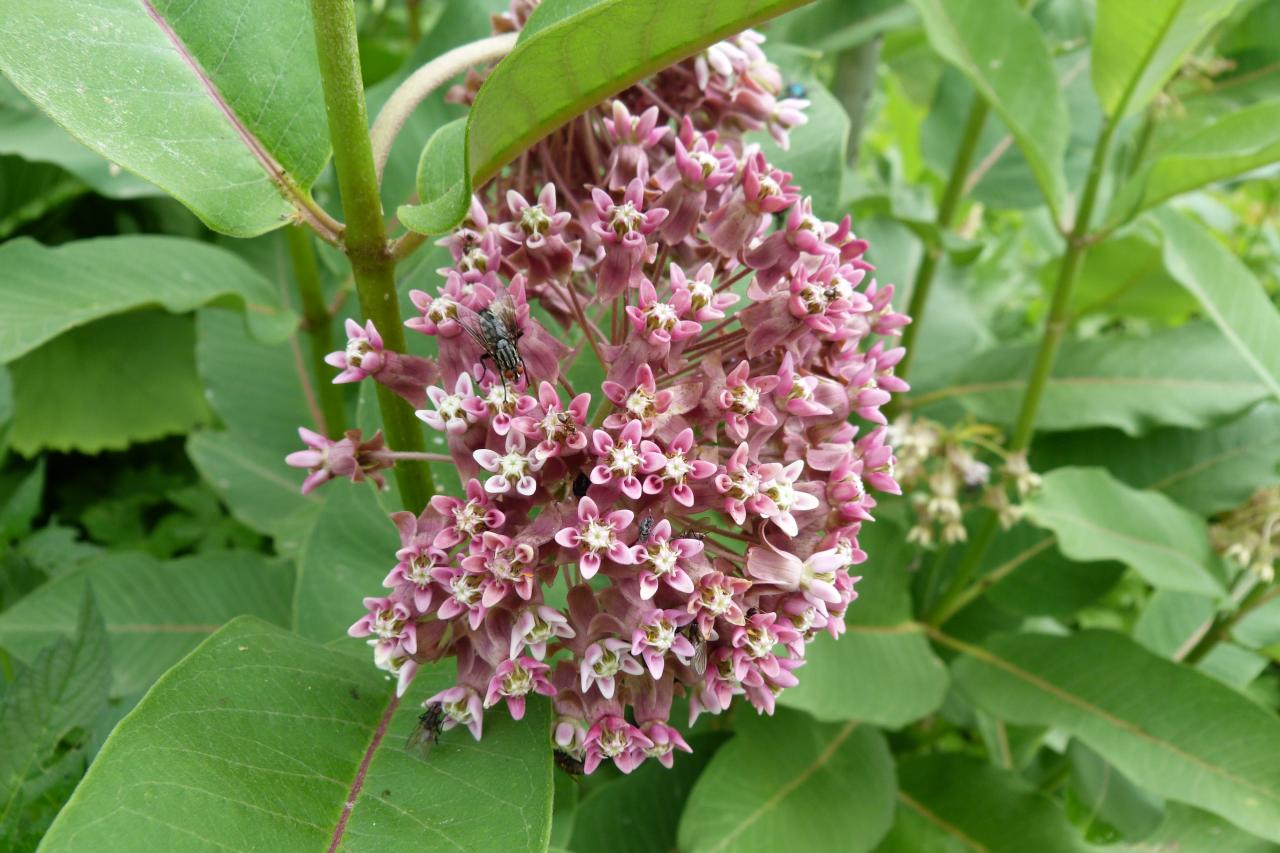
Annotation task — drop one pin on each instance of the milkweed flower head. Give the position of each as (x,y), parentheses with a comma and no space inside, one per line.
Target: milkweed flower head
(664,493)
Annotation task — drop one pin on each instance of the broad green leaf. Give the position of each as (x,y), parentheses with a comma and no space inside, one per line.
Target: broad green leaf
(1187,828)
(1228,292)
(123,379)
(1207,471)
(1096,517)
(217,103)
(21,506)
(155,611)
(832,26)
(999,48)
(641,812)
(1108,797)
(29,134)
(30,190)
(351,548)
(881,670)
(787,782)
(1138,46)
(1171,623)
(1126,277)
(47,291)
(64,687)
(1236,143)
(569,67)
(1175,732)
(253,480)
(1024,572)
(953,803)
(442,180)
(1184,376)
(262,740)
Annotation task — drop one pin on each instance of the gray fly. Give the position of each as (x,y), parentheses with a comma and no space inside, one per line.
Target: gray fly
(496,331)
(426,733)
(646,527)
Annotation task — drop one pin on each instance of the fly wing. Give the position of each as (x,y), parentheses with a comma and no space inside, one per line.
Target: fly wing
(470,322)
(504,311)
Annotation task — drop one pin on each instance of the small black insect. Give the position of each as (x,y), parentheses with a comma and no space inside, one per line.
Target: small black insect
(690,533)
(795,90)
(569,764)
(646,527)
(496,331)
(699,660)
(426,733)
(580,485)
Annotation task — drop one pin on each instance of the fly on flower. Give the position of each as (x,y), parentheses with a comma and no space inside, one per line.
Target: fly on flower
(496,331)
(426,733)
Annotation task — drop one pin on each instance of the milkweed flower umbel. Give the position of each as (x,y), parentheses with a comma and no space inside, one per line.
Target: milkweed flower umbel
(666,500)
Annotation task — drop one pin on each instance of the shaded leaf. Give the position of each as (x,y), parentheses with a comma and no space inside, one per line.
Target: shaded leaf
(1138,46)
(1111,798)
(22,505)
(1234,144)
(835,25)
(1096,517)
(1173,731)
(256,740)
(253,480)
(998,47)
(1173,377)
(30,190)
(155,611)
(48,291)
(569,67)
(1187,828)
(219,104)
(1228,292)
(124,379)
(954,803)
(788,782)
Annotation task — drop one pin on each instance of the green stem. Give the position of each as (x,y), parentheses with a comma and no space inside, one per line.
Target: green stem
(1223,626)
(366,235)
(1078,242)
(948,207)
(319,327)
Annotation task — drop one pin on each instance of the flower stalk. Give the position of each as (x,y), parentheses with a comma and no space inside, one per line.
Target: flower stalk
(365,240)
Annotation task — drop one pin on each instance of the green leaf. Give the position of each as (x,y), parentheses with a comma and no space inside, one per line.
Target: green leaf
(567,68)
(1111,798)
(219,104)
(127,378)
(787,782)
(832,26)
(30,190)
(1138,46)
(999,48)
(442,180)
(253,480)
(1172,731)
(64,687)
(1096,517)
(1234,144)
(1025,573)
(1187,828)
(1173,377)
(155,612)
(48,291)
(882,669)
(1125,276)
(1228,292)
(640,813)
(22,505)
(1207,471)
(954,803)
(351,548)
(260,739)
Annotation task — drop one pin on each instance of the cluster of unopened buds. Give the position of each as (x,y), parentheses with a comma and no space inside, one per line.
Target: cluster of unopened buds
(687,525)
(1249,535)
(948,470)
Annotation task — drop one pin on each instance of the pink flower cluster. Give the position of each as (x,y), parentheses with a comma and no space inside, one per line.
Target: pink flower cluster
(686,526)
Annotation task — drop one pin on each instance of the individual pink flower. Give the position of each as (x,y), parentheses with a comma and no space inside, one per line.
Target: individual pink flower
(462,706)
(673,468)
(698,168)
(597,536)
(512,471)
(603,661)
(417,558)
(642,402)
(742,401)
(449,414)
(622,230)
(612,737)
(505,564)
(350,458)
(705,303)
(557,428)
(764,191)
(363,355)
(463,593)
(537,232)
(619,462)
(467,519)
(778,484)
(390,628)
(535,627)
(513,680)
(717,596)
(663,560)
(814,575)
(656,635)
(631,137)
(661,323)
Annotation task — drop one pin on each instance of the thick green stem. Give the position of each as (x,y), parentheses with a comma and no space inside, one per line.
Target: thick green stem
(948,207)
(1223,625)
(319,327)
(1055,327)
(366,235)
